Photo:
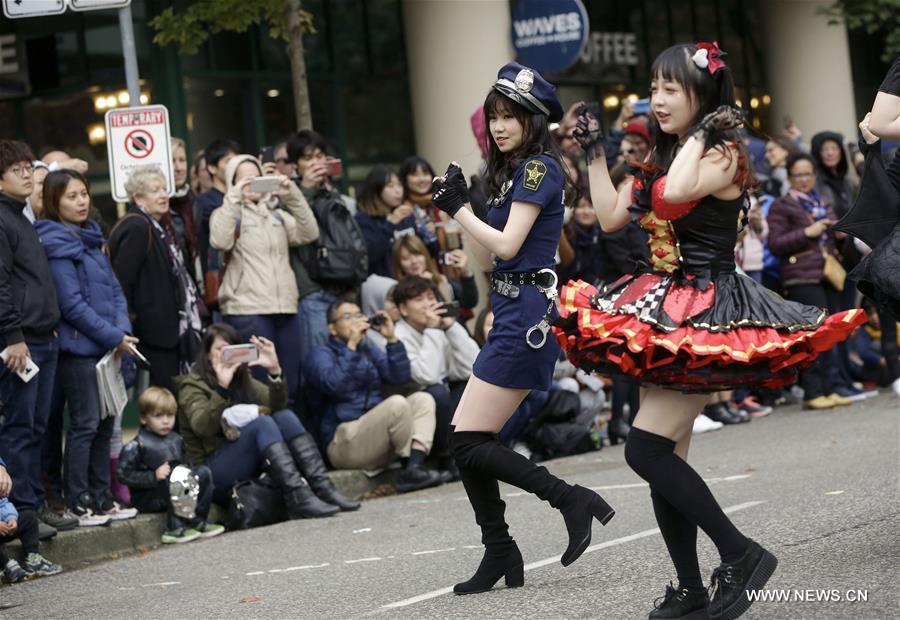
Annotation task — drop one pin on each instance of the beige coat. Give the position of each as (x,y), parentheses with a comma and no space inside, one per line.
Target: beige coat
(259,279)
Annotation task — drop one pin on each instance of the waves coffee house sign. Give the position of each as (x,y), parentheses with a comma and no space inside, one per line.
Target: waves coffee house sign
(552,35)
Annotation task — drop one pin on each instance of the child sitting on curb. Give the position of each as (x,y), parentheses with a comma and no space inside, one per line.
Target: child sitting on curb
(23,526)
(147,462)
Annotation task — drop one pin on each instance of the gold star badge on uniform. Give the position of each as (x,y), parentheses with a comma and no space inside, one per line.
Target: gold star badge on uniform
(535,171)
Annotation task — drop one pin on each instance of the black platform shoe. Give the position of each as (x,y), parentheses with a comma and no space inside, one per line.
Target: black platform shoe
(495,564)
(618,431)
(731,582)
(681,604)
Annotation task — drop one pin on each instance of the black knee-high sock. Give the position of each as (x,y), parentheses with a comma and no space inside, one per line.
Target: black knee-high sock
(481,452)
(653,458)
(681,541)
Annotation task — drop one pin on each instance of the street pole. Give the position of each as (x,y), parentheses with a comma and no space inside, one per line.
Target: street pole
(126,27)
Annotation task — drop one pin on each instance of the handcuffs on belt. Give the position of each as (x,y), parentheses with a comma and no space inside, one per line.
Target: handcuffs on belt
(507,289)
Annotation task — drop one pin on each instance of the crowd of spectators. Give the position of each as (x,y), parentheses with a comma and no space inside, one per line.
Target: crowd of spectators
(362,313)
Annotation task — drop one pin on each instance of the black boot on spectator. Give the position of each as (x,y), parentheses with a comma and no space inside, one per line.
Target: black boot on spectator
(309,462)
(300,500)
(415,476)
(731,582)
(718,412)
(680,603)
(502,557)
(481,452)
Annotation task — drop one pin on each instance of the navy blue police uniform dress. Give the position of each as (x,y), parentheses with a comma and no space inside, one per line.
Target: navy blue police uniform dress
(507,359)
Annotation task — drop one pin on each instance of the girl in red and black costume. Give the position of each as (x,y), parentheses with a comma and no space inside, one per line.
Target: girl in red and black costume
(688,324)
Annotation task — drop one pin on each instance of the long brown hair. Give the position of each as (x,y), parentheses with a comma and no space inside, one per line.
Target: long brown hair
(242,383)
(55,186)
(414,245)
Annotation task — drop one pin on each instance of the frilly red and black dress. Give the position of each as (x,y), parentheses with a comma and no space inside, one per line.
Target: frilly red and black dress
(688,321)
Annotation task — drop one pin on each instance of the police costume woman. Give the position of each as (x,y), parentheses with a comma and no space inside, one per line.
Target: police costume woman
(517,243)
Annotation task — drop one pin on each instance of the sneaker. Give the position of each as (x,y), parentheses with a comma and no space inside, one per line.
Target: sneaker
(740,414)
(702,424)
(13,573)
(415,479)
(819,402)
(730,583)
(37,565)
(116,511)
(62,521)
(718,412)
(680,603)
(208,530)
(179,536)
(851,394)
(87,518)
(46,532)
(896,387)
(841,401)
(755,409)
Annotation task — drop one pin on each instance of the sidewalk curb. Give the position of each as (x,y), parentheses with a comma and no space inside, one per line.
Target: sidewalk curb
(84,546)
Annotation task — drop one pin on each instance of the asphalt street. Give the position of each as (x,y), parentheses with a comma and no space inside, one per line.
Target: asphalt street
(819,489)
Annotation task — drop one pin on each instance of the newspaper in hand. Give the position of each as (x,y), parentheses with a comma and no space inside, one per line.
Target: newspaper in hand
(113,396)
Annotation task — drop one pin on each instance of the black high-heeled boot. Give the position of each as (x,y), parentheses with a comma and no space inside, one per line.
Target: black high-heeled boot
(501,554)
(298,497)
(309,461)
(482,453)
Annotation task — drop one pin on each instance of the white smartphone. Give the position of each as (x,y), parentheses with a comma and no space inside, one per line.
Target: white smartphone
(31,369)
(138,354)
(264,185)
(240,353)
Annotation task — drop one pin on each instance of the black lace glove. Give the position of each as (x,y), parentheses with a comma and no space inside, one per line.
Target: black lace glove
(446,198)
(588,130)
(891,83)
(457,180)
(724,117)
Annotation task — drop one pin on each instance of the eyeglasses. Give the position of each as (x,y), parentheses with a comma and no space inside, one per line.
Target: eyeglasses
(348,316)
(22,171)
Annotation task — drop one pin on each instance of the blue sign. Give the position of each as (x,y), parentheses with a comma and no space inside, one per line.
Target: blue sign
(548,34)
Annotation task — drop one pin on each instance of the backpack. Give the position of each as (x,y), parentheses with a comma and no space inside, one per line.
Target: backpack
(339,255)
(554,432)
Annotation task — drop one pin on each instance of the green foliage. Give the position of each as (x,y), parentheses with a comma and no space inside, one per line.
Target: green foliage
(870,16)
(189,29)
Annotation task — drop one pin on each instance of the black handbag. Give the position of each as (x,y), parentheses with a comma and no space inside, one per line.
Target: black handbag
(254,503)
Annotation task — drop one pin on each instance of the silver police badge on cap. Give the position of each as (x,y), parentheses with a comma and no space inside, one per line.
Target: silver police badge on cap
(184,489)
(525,81)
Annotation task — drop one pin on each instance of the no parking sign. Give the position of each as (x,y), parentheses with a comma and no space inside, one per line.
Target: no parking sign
(136,137)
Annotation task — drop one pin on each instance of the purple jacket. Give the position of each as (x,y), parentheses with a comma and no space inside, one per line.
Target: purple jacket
(801,257)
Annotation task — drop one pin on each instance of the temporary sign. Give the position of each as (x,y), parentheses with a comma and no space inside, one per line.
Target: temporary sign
(33,8)
(136,137)
(96,5)
(548,34)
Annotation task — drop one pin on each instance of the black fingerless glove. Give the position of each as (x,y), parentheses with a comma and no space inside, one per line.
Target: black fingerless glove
(457,180)
(588,130)
(891,83)
(724,117)
(446,198)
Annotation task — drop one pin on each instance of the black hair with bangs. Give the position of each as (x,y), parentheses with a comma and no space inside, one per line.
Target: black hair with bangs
(536,140)
(710,91)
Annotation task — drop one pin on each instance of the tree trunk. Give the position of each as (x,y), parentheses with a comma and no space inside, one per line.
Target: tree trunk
(298,65)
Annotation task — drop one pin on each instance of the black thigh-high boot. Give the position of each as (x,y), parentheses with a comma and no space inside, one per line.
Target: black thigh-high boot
(299,498)
(481,452)
(501,554)
(309,462)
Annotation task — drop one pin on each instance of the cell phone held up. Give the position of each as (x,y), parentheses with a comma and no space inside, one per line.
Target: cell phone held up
(334,167)
(240,354)
(265,185)
(452,309)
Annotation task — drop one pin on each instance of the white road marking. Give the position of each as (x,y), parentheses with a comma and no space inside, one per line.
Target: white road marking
(640,485)
(162,583)
(256,572)
(362,560)
(305,567)
(540,563)
(365,529)
(833,492)
(433,551)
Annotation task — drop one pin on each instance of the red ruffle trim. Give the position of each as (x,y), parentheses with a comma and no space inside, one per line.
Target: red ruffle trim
(689,357)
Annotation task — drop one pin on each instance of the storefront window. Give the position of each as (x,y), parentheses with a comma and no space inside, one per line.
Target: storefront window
(219,108)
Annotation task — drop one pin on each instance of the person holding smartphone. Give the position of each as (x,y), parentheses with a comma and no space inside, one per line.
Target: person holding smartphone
(258,294)
(410,257)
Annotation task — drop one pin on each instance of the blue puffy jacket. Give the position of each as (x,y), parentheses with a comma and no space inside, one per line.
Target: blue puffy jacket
(344,384)
(93,307)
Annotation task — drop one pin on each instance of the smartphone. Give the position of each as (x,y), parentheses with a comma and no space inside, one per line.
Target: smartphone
(240,353)
(31,369)
(138,354)
(267,155)
(376,320)
(264,185)
(335,167)
(446,258)
(452,309)
(641,106)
